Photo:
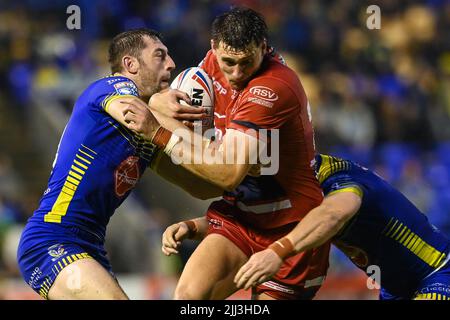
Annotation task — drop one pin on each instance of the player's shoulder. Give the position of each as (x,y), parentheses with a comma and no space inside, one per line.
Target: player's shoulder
(209,64)
(114,84)
(276,77)
(327,166)
(207,59)
(275,68)
(338,175)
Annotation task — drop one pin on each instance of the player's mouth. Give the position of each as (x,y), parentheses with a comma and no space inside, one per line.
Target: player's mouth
(165,82)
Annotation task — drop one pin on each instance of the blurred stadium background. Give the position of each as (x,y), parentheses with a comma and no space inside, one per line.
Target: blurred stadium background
(380,97)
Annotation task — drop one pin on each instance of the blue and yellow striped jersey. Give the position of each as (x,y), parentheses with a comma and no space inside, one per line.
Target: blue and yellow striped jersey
(97,164)
(388,231)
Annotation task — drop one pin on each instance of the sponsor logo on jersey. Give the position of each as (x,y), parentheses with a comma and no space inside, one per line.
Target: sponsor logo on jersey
(215,223)
(357,255)
(261,102)
(126,88)
(47,191)
(264,93)
(56,251)
(126,175)
(219,88)
(114,80)
(35,276)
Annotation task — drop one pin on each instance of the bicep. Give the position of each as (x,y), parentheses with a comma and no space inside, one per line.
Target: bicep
(343,204)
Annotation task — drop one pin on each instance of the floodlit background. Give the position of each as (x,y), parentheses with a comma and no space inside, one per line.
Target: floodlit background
(380,97)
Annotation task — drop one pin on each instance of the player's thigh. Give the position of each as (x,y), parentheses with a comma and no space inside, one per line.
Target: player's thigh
(210,270)
(85,279)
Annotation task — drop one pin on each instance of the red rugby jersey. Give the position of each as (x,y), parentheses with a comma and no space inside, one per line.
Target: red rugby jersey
(273,99)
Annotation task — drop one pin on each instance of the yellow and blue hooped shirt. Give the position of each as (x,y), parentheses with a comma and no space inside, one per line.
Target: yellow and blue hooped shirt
(388,231)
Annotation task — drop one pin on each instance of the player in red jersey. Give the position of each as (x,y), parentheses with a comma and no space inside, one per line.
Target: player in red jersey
(254,90)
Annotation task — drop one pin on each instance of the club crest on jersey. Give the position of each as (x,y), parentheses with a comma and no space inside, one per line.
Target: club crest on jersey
(126,175)
(357,255)
(126,88)
(56,251)
(215,223)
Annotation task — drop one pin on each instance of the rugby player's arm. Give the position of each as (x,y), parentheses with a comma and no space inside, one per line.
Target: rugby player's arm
(324,221)
(230,163)
(117,105)
(195,229)
(317,227)
(162,164)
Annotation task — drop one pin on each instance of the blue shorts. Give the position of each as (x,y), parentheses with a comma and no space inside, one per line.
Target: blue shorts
(45,249)
(436,286)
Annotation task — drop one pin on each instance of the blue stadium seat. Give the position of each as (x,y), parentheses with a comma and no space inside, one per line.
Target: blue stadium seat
(443,152)
(359,154)
(437,174)
(394,157)
(439,213)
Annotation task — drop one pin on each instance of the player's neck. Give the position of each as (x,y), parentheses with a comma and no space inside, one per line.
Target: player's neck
(119,74)
(135,81)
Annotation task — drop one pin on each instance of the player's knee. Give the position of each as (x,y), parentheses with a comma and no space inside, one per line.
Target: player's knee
(188,293)
(84,293)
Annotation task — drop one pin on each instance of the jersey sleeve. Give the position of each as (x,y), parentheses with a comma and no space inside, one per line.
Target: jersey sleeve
(207,63)
(341,182)
(267,104)
(108,89)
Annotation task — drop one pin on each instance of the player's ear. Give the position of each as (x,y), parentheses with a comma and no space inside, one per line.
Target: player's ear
(264,46)
(130,64)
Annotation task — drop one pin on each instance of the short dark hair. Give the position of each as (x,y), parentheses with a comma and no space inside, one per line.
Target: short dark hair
(129,42)
(238,28)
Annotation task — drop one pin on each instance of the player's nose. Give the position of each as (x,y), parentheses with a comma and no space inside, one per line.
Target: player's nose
(170,64)
(237,73)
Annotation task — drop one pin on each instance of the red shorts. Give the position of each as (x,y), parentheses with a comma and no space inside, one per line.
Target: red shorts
(300,276)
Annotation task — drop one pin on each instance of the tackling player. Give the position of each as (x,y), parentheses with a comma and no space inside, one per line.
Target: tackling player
(253,90)
(373,224)
(98,162)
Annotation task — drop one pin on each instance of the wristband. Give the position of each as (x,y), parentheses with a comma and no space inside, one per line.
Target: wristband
(192,227)
(174,139)
(161,137)
(283,248)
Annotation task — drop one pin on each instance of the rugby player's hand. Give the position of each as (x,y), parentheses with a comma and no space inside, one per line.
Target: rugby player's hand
(259,268)
(138,117)
(169,103)
(172,238)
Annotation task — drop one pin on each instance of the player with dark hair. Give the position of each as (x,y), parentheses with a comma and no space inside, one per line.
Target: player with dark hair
(373,224)
(99,161)
(254,90)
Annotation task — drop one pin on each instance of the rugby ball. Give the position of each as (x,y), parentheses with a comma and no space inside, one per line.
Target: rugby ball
(199,86)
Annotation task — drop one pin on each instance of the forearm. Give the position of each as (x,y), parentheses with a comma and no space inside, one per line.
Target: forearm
(317,227)
(202,228)
(205,162)
(198,227)
(194,153)
(324,221)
